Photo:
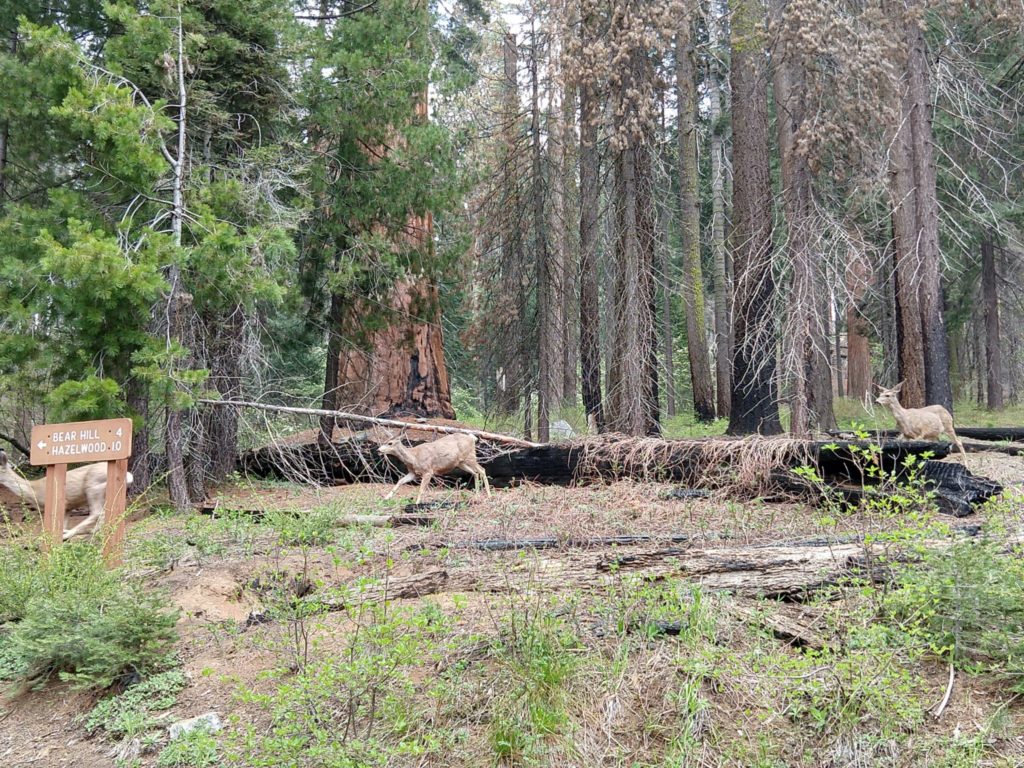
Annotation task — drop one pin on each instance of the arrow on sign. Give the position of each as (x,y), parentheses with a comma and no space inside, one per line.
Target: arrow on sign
(40,445)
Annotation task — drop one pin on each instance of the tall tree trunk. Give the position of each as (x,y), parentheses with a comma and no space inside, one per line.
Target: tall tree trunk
(590,199)
(558,240)
(330,402)
(570,259)
(665,272)
(936,343)
(549,357)
(179,303)
(723,285)
(924,350)
(811,404)
(990,299)
(511,354)
(754,401)
(838,350)
(858,349)
(220,425)
(647,237)
(667,328)
(401,371)
(693,277)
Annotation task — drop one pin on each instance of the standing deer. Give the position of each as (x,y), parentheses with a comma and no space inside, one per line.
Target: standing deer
(450,452)
(85,487)
(919,423)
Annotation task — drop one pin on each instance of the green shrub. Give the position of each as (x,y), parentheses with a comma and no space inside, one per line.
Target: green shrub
(88,625)
(966,602)
(19,581)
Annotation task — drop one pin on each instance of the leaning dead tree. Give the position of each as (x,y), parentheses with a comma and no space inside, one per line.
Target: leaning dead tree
(376,421)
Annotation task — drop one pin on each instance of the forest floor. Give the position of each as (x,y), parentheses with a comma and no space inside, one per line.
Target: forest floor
(487,660)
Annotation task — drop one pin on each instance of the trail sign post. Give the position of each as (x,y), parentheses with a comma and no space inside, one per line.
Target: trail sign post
(57,445)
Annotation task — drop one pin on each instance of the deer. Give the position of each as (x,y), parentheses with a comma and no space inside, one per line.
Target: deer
(456,451)
(919,423)
(85,487)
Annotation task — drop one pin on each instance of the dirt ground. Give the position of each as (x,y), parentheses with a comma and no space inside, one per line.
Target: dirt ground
(216,571)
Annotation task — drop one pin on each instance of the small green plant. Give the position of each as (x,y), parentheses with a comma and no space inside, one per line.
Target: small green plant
(130,713)
(89,625)
(537,651)
(864,687)
(195,749)
(966,603)
(354,708)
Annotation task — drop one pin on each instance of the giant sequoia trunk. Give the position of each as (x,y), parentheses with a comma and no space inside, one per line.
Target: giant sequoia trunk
(811,405)
(693,276)
(754,402)
(924,351)
(401,368)
(398,368)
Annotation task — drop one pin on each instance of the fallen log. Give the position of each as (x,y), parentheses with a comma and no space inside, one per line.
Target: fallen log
(772,572)
(684,461)
(377,521)
(994,434)
(956,490)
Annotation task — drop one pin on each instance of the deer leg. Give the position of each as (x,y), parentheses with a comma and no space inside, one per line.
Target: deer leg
(467,467)
(959,445)
(97,511)
(423,485)
(407,479)
(483,476)
(94,519)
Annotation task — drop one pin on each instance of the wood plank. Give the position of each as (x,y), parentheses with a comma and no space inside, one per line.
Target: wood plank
(114,506)
(53,504)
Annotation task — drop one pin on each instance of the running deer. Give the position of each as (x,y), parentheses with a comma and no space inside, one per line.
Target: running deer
(85,487)
(919,423)
(424,461)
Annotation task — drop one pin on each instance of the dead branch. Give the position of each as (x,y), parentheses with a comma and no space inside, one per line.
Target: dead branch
(395,423)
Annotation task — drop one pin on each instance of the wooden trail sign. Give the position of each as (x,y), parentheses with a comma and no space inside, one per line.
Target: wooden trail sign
(57,445)
(82,441)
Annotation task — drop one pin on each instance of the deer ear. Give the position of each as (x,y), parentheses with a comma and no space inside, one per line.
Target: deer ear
(898,387)
(3,458)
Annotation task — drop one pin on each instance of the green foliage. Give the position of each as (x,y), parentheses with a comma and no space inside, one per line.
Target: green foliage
(537,653)
(195,749)
(966,603)
(130,714)
(351,709)
(86,624)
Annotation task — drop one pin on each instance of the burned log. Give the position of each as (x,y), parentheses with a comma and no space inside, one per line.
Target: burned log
(956,490)
(992,434)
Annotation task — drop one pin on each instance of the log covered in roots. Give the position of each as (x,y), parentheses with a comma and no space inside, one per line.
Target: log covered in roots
(703,462)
